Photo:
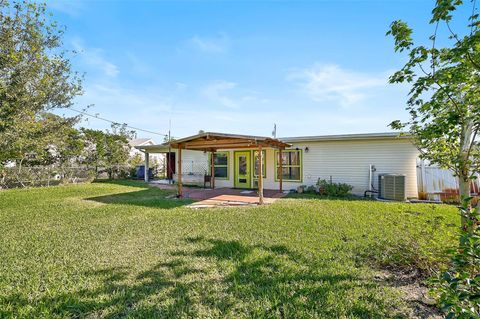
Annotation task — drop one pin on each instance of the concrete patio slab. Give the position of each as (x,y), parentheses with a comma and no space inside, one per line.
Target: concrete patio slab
(229,201)
(224,197)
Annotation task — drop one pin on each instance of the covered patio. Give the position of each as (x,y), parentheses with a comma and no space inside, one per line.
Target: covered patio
(213,142)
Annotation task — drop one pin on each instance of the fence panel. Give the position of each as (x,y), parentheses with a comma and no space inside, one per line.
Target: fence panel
(436,183)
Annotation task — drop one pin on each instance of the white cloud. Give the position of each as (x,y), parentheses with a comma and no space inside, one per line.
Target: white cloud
(230,95)
(70,7)
(218,44)
(94,57)
(217,92)
(332,83)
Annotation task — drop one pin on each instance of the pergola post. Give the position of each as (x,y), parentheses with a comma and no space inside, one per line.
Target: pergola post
(260,176)
(179,175)
(212,170)
(280,168)
(146,167)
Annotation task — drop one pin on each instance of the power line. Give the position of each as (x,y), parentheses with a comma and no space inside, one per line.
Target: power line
(114,122)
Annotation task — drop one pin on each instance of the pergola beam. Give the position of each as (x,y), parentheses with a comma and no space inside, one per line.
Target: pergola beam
(209,148)
(217,142)
(223,146)
(206,141)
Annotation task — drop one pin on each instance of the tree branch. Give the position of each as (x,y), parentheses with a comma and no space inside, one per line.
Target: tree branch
(469,57)
(423,70)
(433,47)
(449,96)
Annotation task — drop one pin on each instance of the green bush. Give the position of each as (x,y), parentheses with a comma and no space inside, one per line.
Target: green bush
(333,189)
(311,189)
(458,287)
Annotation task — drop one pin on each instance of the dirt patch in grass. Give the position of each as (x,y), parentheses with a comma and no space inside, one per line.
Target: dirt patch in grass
(414,292)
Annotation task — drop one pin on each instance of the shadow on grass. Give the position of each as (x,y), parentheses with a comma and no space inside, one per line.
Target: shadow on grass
(239,281)
(123,182)
(147,196)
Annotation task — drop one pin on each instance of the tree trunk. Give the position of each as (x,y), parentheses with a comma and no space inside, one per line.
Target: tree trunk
(464,167)
(464,190)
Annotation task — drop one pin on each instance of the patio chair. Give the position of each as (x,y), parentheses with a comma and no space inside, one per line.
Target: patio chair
(207,179)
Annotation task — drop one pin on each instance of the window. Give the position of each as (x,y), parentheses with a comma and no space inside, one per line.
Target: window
(220,161)
(256,162)
(291,165)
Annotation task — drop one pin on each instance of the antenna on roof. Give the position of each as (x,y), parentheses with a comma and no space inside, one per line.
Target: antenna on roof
(274,132)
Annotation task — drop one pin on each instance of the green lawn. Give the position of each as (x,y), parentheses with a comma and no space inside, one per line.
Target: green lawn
(122,250)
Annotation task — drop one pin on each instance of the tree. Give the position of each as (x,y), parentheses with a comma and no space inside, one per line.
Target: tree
(109,150)
(42,140)
(444,100)
(444,122)
(35,73)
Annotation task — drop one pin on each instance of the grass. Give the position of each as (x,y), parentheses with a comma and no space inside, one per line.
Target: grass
(116,250)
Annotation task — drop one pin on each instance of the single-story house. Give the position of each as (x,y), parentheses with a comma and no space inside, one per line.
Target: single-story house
(355,159)
(137,143)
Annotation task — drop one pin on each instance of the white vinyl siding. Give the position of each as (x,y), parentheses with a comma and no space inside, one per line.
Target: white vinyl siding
(348,162)
(345,161)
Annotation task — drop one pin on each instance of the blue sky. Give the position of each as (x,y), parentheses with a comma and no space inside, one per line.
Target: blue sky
(313,67)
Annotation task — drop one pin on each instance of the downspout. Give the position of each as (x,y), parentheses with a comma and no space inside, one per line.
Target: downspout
(371,190)
(370,177)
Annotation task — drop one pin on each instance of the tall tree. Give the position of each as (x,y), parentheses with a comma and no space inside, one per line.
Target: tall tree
(444,100)
(117,148)
(35,73)
(109,150)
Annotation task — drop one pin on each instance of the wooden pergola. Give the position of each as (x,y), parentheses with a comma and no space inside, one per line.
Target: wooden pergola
(211,142)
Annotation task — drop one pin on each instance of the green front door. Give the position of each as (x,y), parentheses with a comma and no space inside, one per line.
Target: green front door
(242,170)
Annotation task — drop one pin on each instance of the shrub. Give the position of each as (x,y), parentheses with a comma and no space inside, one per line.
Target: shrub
(458,287)
(333,189)
(311,189)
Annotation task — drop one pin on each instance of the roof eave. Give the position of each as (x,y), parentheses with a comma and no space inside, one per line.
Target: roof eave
(250,141)
(367,136)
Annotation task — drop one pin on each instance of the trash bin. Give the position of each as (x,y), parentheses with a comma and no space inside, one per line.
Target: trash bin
(141,172)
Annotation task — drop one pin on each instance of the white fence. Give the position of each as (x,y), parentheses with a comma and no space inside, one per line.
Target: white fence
(35,176)
(435,183)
